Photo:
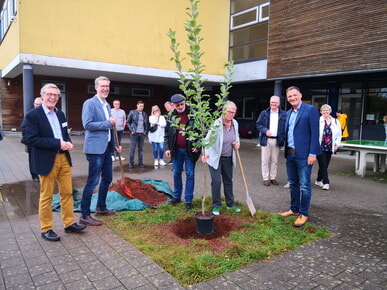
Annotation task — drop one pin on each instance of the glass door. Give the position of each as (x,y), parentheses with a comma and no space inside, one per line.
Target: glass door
(351,104)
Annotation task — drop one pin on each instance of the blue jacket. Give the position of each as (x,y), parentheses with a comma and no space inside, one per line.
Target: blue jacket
(263,124)
(40,139)
(97,127)
(306,131)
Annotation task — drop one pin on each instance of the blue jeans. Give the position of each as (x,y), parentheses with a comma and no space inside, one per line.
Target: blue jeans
(100,165)
(136,139)
(223,173)
(299,179)
(178,162)
(158,150)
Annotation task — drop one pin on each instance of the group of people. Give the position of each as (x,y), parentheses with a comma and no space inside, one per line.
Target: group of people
(306,136)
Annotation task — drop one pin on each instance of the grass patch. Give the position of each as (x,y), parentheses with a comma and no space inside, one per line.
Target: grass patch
(194,260)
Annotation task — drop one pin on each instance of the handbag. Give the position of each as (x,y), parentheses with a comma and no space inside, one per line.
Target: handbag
(153,128)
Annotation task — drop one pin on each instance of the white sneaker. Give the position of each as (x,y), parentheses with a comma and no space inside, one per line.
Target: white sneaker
(156,163)
(162,163)
(287,185)
(320,183)
(122,158)
(113,158)
(325,186)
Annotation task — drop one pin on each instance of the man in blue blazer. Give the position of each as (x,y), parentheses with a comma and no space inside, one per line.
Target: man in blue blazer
(98,147)
(301,148)
(47,136)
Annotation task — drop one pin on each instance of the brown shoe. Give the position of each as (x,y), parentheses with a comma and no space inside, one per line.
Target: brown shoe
(300,221)
(288,213)
(266,183)
(105,212)
(89,221)
(274,182)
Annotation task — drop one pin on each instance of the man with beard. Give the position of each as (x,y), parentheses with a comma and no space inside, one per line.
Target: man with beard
(98,147)
(181,150)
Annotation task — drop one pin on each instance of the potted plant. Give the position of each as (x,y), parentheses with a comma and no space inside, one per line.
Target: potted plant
(191,83)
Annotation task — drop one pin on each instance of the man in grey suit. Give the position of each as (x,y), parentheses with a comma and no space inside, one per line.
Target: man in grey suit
(98,147)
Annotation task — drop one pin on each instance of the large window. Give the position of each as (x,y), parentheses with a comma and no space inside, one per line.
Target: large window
(248,30)
(7,15)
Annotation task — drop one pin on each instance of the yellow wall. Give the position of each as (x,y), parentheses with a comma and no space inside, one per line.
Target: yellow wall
(9,47)
(130,32)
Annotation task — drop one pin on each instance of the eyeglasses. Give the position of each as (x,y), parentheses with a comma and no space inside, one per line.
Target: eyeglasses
(52,95)
(230,112)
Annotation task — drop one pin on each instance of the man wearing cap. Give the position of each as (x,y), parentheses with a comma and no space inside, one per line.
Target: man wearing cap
(181,150)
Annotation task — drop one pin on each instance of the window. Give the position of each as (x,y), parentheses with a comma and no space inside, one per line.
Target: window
(7,15)
(250,16)
(249,30)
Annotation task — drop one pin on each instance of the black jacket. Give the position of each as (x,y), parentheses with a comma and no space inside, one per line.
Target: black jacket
(170,136)
(132,121)
(263,124)
(40,138)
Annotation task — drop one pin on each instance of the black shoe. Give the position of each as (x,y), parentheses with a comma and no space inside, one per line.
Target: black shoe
(188,206)
(141,165)
(74,228)
(175,201)
(51,236)
(131,166)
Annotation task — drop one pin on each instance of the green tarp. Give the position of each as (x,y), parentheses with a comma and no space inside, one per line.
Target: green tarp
(114,200)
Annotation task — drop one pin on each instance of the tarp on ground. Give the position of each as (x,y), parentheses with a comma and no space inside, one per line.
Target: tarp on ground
(114,200)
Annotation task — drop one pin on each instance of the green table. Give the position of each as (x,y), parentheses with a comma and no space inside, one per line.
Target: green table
(364,147)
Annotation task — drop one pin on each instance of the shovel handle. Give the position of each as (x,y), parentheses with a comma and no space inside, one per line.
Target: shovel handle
(119,154)
(242,172)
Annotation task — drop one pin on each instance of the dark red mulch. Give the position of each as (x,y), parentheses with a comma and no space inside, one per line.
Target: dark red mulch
(142,191)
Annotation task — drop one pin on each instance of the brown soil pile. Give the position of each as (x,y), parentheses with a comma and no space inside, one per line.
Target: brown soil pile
(142,191)
(184,231)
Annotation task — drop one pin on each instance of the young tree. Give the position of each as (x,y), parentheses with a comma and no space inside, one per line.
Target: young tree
(191,83)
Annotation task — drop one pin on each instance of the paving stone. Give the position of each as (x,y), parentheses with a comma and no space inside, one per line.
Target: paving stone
(71,276)
(45,278)
(109,282)
(150,270)
(162,280)
(134,281)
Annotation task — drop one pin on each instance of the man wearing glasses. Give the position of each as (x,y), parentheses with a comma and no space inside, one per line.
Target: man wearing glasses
(271,125)
(181,150)
(47,136)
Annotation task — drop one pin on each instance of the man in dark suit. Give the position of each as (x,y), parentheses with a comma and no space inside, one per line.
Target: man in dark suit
(301,148)
(47,136)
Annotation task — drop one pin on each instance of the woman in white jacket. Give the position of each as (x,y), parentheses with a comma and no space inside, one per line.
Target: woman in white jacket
(221,157)
(156,138)
(330,141)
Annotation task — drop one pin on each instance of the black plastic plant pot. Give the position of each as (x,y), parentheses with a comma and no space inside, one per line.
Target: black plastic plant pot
(204,222)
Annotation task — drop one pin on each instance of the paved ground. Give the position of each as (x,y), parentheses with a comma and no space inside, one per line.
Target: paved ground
(354,210)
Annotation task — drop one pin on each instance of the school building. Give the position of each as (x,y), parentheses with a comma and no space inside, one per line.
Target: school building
(335,51)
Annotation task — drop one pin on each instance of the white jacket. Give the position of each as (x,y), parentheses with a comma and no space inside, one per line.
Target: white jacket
(215,150)
(158,135)
(336,132)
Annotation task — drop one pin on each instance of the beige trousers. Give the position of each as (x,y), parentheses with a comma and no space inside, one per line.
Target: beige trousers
(61,173)
(269,159)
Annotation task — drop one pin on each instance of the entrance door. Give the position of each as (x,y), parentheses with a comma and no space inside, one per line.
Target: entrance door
(350,104)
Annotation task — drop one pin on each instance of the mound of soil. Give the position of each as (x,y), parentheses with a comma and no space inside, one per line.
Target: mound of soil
(142,191)
(184,231)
